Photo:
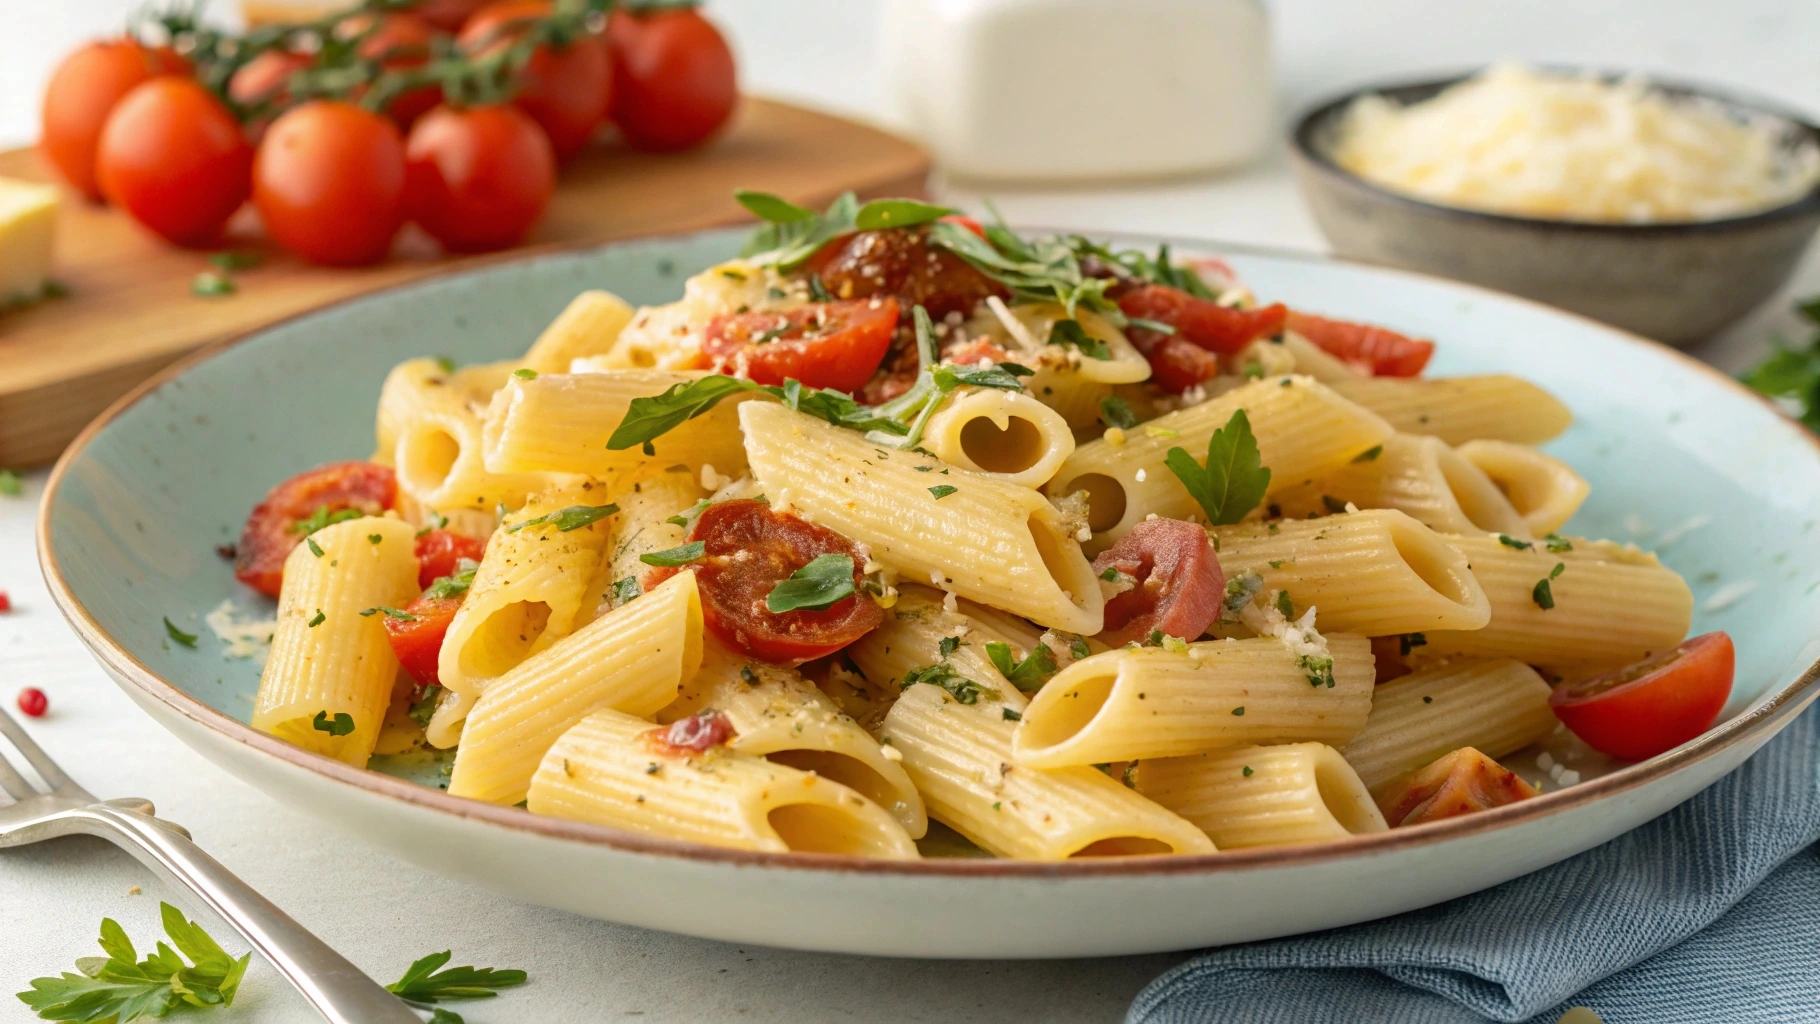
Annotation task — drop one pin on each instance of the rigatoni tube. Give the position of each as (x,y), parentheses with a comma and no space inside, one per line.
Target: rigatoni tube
(1460,409)
(1264,795)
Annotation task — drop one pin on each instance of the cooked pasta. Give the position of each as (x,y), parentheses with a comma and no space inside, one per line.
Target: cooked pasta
(1077,551)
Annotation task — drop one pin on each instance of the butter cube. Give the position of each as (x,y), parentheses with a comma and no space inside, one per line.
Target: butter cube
(28,219)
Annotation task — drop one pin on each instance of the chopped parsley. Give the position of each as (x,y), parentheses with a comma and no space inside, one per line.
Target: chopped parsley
(318,620)
(178,635)
(1512,542)
(1078,647)
(962,689)
(1318,669)
(315,548)
(1232,481)
(341,725)
(10,484)
(1285,605)
(1239,712)
(1557,544)
(1248,771)
(390,613)
(1370,454)
(942,490)
(210,284)
(1240,590)
(454,584)
(949,645)
(1071,334)
(682,554)
(625,589)
(1013,715)
(374,538)
(1030,673)
(323,518)
(815,587)
(1544,594)
(572,518)
(424,707)
(525,373)
(1110,574)
(1116,412)
(1410,641)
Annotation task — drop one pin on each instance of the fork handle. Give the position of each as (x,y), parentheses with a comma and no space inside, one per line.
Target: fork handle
(336,988)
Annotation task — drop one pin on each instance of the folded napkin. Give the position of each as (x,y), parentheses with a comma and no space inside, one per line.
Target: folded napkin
(1709,913)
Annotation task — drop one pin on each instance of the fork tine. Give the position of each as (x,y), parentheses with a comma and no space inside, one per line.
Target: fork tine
(47,769)
(14,783)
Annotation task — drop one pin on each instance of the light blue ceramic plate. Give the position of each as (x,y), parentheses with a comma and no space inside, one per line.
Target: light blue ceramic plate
(1677,454)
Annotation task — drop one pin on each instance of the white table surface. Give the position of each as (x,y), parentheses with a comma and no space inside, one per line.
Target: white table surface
(383,913)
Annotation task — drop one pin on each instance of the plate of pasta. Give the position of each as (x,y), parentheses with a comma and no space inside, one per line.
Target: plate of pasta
(1043,595)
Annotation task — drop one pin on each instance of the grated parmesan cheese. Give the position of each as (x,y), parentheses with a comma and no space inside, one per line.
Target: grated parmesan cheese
(1515,140)
(241,638)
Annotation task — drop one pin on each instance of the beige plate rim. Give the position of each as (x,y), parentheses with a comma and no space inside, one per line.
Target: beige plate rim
(1764,716)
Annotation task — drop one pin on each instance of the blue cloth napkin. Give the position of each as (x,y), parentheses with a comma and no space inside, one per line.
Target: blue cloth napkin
(1709,913)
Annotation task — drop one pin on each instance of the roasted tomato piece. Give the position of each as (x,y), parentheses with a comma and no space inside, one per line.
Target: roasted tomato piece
(1178,582)
(825,344)
(971,352)
(439,554)
(1657,704)
(902,263)
(696,734)
(748,550)
(417,640)
(271,529)
(1175,363)
(1206,323)
(1458,783)
(1373,350)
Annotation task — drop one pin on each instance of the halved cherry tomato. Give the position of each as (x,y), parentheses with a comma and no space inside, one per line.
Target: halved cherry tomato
(565,89)
(439,554)
(673,78)
(748,550)
(329,183)
(1462,782)
(1655,705)
(1373,350)
(82,93)
(271,528)
(402,40)
(1179,583)
(1206,323)
(417,641)
(900,262)
(174,157)
(825,345)
(1176,364)
(478,178)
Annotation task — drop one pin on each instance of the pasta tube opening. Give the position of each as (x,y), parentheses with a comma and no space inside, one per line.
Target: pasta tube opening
(1062,556)
(1480,500)
(1545,491)
(1433,562)
(504,639)
(1069,711)
(830,828)
(850,772)
(1012,447)
(1105,500)
(1012,436)
(1344,795)
(426,456)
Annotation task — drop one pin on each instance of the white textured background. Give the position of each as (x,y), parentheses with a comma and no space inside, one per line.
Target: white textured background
(383,913)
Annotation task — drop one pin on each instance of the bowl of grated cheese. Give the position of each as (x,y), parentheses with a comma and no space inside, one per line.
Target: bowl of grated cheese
(1667,209)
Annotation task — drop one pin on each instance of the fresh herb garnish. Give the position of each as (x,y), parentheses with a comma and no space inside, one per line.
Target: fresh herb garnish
(942,490)
(682,554)
(897,213)
(121,987)
(318,620)
(962,689)
(1544,594)
(1512,542)
(390,613)
(1233,480)
(525,373)
(1410,641)
(315,548)
(340,725)
(792,234)
(625,589)
(948,645)
(1284,605)
(1368,455)
(1147,324)
(1557,543)
(572,518)
(424,708)
(1239,712)
(322,518)
(233,260)
(1333,505)
(683,519)
(1036,270)
(1110,574)
(1318,669)
(1116,412)
(1012,715)
(652,417)
(186,639)
(815,587)
(1028,674)
(455,584)
(1078,648)
(1240,590)
(424,985)
(1071,334)
(1792,375)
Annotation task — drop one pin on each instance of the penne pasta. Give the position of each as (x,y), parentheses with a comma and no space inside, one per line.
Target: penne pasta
(1461,409)
(1498,706)
(436,447)
(1545,491)
(560,422)
(1004,434)
(588,326)
(1274,795)
(1416,474)
(328,679)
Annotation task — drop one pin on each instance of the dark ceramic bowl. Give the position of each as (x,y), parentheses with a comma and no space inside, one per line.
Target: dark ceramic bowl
(1676,282)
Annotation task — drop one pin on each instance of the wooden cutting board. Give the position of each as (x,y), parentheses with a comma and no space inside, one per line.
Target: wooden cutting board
(130,311)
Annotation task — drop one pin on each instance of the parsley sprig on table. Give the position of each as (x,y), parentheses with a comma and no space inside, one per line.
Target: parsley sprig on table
(1793,374)
(121,987)
(425,984)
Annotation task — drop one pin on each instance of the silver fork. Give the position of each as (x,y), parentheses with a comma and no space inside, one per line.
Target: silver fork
(335,987)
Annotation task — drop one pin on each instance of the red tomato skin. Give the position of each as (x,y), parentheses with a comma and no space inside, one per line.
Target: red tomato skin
(264,76)
(566,90)
(900,262)
(439,553)
(674,80)
(1377,351)
(843,358)
(478,179)
(1179,582)
(448,15)
(402,41)
(81,94)
(1175,363)
(748,548)
(417,641)
(173,157)
(1662,708)
(1216,328)
(268,537)
(967,222)
(329,183)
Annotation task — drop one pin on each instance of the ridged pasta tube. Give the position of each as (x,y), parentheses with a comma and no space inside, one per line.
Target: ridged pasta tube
(326,657)
(560,422)
(975,535)
(1420,475)
(1497,706)
(1461,409)
(1545,491)
(1150,702)
(1303,430)
(1374,573)
(604,770)
(1005,434)
(431,427)
(634,660)
(1274,795)
(588,326)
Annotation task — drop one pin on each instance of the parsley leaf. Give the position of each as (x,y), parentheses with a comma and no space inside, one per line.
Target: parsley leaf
(949,645)
(424,984)
(455,584)
(572,518)
(942,490)
(1026,675)
(1512,542)
(1004,376)
(390,613)
(682,554)
(121,987)
(1233,480)
(1070,333)
(897,213)
(1543,593)
(322,518)
(1557,543)
(815,587)
(1116,412)
(625,589)
(962,689)
(654,416)
(341,725)
(424,708)
(186,639)
(1368,455)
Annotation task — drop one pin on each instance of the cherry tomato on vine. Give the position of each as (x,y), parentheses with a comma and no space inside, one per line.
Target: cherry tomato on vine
(448,15)
(566,89)
(401,41)
(174,157)
(82,92)
(478,179)
(329,183)
(673,78)
(264,77)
